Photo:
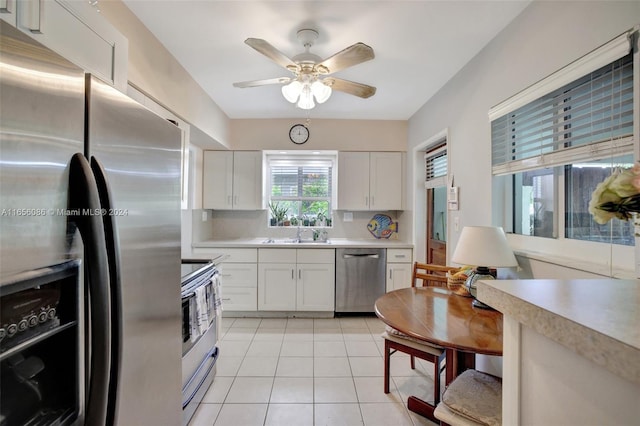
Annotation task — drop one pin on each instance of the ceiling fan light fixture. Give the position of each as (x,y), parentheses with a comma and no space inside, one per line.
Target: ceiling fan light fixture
(321,91)
(292,91)
(306,98)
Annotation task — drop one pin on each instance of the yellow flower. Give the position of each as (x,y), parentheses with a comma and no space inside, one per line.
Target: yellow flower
(623,183)
(603,194)
(617,197)
(636,180)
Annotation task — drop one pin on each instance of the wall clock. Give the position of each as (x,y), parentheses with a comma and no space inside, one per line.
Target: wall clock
(299,134)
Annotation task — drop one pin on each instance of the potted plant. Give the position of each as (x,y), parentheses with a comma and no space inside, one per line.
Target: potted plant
(294,221)
(305,220)
(286,220)
(274,209)
(321,218)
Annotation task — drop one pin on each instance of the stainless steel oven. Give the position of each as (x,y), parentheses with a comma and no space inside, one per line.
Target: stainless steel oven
(200,307)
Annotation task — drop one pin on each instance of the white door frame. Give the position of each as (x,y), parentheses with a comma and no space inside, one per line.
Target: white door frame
(419,193)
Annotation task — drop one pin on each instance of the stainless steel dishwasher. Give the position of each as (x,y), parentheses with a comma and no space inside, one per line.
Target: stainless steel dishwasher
(360,278)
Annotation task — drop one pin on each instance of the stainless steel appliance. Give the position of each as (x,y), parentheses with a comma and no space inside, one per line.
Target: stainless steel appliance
(87,173)
(200,306)
(360,278)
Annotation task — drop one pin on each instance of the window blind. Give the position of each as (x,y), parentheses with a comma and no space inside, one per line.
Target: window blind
(603,55)
(301,180)
(590,118)
(436,167)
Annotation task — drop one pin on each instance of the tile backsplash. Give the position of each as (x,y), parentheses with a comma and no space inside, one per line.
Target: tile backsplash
(230,224)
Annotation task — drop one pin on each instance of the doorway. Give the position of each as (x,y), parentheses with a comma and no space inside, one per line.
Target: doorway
(437,225)
(436,167)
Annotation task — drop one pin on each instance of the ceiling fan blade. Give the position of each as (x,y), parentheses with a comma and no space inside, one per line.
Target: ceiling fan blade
(272,53)
(254,83)
(350,87)
(348,57)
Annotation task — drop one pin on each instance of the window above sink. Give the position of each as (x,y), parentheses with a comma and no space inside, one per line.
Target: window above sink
(301,188)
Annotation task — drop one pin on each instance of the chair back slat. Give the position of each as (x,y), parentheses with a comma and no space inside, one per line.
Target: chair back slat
(431,275)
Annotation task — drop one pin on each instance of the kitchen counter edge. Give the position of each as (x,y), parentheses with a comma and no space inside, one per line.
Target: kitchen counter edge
(333,243)
(597,319)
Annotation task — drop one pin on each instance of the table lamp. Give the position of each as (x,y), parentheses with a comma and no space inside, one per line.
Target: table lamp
(484,246)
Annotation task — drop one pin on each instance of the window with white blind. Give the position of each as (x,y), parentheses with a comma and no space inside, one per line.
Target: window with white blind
(301,188)
(436,167)
(556,146)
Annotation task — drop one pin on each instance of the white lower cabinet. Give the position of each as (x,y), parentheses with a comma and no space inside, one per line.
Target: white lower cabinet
(296,279)
(239,280)
(399,268)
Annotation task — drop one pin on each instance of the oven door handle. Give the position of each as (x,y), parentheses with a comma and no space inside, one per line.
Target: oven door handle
(212,354)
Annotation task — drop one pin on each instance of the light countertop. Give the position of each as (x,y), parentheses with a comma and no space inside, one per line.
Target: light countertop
(279,243)
(598,319)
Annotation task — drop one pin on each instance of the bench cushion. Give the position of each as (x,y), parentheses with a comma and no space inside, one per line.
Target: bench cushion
(477,396)
(396,334)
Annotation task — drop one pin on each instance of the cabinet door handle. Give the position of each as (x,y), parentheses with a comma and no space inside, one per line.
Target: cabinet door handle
(6,6)
(33,16)
(299,274)
(390,274)
(373,202)
(293,277)
(229,199)
(366,201)
(235,200)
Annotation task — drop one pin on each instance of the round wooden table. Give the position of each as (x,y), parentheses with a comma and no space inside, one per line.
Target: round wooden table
(438,316)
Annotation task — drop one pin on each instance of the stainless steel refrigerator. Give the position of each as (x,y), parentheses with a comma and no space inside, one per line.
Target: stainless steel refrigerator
(91,178)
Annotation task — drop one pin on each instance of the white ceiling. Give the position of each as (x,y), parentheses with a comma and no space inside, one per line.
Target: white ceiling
(418,45)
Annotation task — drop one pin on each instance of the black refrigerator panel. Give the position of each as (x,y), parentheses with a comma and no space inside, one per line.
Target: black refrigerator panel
(39,346)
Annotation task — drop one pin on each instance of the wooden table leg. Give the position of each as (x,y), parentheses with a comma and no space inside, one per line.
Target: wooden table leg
(457,362)
(451,368)
(421,407)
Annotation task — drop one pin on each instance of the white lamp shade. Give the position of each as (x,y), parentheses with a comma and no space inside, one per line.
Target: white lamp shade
(306,98)
(321,91)
(291,91)
(484,246)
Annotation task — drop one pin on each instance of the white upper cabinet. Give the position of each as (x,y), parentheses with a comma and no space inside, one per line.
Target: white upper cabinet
(74,29)
(8,11)
(370,181)
(232,180)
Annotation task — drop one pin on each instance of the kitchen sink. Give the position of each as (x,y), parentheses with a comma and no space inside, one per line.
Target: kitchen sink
(294,241)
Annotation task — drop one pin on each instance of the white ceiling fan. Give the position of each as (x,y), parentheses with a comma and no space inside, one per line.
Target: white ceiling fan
(311,73)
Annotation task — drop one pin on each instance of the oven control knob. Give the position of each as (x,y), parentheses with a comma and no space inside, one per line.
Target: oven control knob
(12,329)
(43,317)
(33,321)
(23,325)
(3,333)
(51,313)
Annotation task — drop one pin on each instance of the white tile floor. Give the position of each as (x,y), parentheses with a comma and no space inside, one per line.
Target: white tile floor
(310,372)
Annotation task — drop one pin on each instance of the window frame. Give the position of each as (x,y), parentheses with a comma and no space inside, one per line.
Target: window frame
(302,159)
(589,256)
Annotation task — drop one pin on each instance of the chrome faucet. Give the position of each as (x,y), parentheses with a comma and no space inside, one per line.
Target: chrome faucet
(299,234)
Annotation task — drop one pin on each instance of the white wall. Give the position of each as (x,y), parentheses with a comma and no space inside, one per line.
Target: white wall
(154,71)
(343,135)
(527,50)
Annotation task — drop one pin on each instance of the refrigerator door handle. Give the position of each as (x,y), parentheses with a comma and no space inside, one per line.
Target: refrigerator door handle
(83,199)
(113,259)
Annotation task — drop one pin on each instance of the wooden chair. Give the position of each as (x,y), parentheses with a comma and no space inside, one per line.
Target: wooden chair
(396,340)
